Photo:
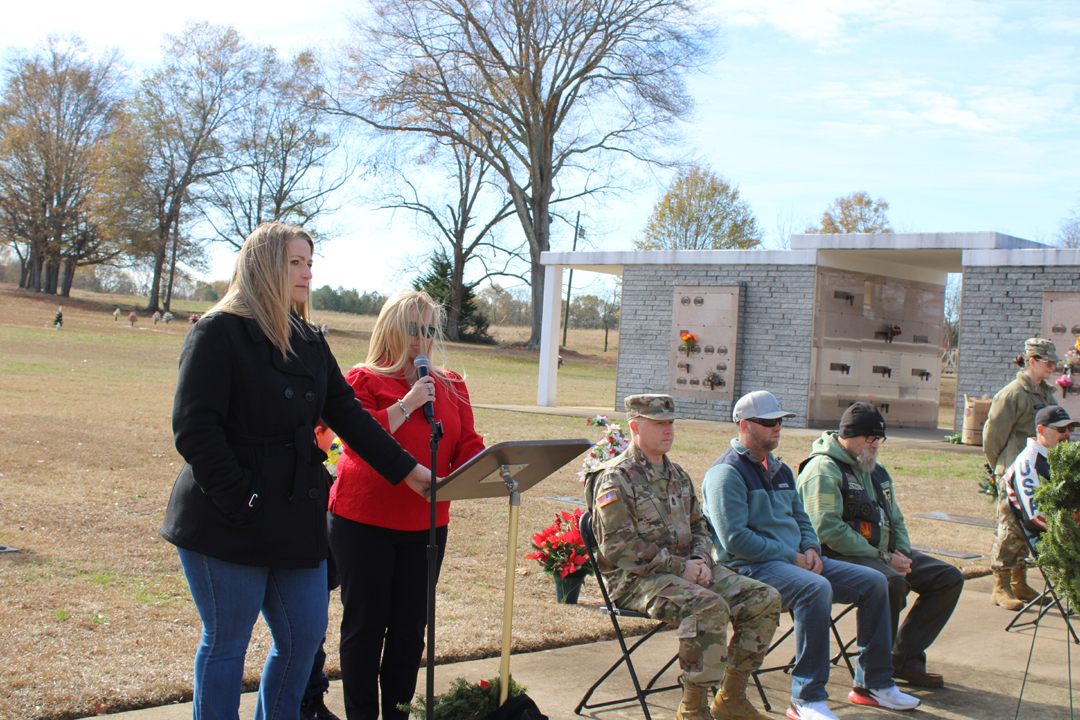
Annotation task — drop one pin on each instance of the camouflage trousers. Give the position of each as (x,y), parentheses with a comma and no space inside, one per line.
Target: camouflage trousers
(701,615)
(1010,546)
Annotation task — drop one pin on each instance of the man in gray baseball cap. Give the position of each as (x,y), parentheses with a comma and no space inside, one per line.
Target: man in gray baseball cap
(761,530)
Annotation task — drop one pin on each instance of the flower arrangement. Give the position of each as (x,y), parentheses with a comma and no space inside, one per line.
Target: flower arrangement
(559,547)
(598,421)
(689,340)
(607,447)
(1065,380)
(714,380)
(1071,361)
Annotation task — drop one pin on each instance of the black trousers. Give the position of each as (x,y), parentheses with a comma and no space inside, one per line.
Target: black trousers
(937,584)
(383,575)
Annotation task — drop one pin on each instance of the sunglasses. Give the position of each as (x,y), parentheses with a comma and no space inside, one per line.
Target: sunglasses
(766,423)
(871,439)
(427,331)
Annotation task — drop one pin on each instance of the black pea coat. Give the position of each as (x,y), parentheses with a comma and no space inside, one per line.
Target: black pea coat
(252,490)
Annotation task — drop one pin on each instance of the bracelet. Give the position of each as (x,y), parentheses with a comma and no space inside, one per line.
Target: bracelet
(402,406)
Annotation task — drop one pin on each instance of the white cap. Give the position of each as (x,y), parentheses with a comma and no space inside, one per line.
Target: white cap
(758,404)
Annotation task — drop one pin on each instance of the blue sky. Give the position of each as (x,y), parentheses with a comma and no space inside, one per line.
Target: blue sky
(963,115)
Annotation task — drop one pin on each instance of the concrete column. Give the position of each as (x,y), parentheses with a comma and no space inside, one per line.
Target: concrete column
(549,337)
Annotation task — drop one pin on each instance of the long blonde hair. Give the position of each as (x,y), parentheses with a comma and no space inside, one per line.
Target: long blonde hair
(260,284)
(388,352)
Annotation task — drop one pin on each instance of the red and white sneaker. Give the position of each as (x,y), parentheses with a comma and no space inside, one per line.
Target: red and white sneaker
(810,711)
(889,697)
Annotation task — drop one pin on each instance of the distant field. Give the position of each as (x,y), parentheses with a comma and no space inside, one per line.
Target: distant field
(95,614)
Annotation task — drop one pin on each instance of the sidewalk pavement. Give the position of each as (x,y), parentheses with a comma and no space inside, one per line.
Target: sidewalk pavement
(984,669)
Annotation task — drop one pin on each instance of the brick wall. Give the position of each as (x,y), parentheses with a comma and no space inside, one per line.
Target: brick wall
(775,333)
(1001,308)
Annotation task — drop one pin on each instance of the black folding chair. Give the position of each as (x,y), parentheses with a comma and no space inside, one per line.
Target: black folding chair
(1047,599)
(844,653)
(615,613)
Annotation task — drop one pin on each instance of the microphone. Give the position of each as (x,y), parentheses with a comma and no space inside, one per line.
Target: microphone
(421,365)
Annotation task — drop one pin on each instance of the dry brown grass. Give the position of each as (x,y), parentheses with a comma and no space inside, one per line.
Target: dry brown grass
(95,613)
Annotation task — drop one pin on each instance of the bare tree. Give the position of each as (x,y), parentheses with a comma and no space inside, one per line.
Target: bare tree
(462,220)
(953,291)
(1068,234)
(543,87)
(58,108)
(209,75)
(287,161)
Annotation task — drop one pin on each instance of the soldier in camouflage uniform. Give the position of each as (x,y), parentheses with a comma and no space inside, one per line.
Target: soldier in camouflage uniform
(1009,425)
(656,557)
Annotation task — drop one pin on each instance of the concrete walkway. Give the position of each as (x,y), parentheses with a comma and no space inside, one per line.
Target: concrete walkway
(984,669)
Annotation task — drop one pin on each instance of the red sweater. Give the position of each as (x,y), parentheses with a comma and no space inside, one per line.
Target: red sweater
(362,495)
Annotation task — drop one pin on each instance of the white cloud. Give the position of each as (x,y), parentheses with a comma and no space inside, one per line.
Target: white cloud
(833,24)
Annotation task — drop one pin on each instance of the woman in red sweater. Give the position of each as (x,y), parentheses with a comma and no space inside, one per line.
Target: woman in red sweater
(378,532)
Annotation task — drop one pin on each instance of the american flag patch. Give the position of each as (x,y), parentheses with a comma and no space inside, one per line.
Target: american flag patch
(606,499)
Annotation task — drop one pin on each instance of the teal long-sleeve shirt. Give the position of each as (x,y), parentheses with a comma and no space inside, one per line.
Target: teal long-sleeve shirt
(758,517)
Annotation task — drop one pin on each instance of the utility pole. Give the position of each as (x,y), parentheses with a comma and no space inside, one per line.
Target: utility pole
(578,232)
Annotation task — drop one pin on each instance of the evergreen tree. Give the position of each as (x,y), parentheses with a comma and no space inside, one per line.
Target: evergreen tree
(472,323)
(1059,500)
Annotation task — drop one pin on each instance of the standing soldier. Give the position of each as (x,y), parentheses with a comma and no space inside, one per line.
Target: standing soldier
(656,557)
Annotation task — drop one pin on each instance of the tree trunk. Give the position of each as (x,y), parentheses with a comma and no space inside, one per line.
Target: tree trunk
(605,336)
(36,262)
(155,285)
(68,279)
(457,295)
(172,266)
(52,276)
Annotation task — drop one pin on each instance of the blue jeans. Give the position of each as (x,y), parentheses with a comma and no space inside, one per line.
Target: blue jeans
(809,597)
(229,598)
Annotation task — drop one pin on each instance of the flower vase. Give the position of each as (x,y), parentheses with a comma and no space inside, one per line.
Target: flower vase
(568,588)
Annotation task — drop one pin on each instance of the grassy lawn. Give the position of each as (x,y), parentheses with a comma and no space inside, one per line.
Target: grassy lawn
(94,612)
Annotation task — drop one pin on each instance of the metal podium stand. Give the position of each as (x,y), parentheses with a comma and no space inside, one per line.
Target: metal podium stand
(505,470)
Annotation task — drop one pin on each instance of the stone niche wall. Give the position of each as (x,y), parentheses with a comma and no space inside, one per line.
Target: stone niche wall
(1001,308)
(776,318)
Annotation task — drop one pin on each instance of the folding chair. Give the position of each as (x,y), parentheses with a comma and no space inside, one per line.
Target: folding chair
(842,654)
(1048,593)
(615,613)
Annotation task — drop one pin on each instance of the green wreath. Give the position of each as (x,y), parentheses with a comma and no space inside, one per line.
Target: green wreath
(1059,501)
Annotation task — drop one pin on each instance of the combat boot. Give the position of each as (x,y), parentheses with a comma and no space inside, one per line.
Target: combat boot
(1020,588)
(731,699)
(695,702)
(1003,594)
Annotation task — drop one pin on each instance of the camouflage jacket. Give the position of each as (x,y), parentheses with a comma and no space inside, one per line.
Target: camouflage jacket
(645,523)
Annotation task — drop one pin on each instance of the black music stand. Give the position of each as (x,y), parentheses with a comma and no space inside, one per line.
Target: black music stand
(504,470)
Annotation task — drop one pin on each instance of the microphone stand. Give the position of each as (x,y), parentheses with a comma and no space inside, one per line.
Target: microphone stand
(433,567)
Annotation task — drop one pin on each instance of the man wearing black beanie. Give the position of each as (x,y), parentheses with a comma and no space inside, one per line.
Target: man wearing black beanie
(852,506)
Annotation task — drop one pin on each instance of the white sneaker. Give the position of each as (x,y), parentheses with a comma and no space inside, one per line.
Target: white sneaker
(889,697)
(810,711)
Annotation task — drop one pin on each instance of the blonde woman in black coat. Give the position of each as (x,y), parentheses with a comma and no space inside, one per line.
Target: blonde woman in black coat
(248,511)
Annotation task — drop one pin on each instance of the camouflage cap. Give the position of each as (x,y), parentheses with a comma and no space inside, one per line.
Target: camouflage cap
(1041,348)
(653,407)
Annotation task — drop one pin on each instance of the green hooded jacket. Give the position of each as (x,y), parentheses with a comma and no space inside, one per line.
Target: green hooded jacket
(819,486)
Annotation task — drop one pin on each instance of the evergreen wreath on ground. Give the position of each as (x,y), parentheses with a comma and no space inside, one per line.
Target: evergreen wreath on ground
(1059,500)
(463,701)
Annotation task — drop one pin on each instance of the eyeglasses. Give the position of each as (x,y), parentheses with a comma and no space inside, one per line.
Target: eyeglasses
(427,331)
(872,439)
(1050,363)
(766,423)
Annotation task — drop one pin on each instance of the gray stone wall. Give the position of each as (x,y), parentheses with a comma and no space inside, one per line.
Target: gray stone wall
(1001,308)
(775,333)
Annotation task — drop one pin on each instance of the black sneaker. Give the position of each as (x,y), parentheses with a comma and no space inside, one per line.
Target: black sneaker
(315,709)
